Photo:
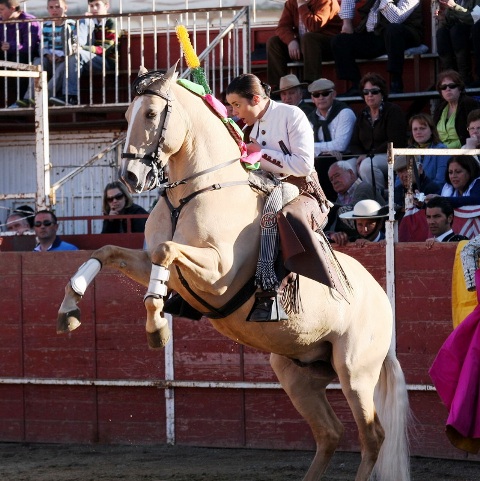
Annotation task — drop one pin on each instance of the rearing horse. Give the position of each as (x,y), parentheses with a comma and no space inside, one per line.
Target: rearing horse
(203,241)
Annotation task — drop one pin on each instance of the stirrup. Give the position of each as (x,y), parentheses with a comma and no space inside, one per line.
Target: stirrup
(267,308)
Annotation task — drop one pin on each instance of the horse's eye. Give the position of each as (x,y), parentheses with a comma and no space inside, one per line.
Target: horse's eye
(152,114)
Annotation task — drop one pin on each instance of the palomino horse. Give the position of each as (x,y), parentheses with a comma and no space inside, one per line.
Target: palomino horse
(203,242)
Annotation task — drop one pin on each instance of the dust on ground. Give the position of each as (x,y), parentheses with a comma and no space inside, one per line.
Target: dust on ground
(73,462)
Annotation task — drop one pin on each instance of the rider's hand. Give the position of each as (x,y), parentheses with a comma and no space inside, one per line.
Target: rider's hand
(253,146)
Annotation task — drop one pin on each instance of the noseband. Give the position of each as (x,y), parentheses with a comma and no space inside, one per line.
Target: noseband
(140,87)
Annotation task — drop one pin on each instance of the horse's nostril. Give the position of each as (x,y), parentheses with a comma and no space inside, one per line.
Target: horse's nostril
(132,178)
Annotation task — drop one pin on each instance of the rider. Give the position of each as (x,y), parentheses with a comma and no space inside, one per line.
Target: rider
(283,137)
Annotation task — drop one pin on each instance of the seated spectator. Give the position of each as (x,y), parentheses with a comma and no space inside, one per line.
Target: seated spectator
(350,190)
(439,212)
(473,123)
(415,181)
(424,135)
(462,182)
(332,122)
(369,218)
(46,226)
(27,212)
(18,41)
(454,37)
(97,51)
(59,41)
(303,33)
(379,123)
(18,223)
(291,93)
(450,115)
(118,201)
(386,27)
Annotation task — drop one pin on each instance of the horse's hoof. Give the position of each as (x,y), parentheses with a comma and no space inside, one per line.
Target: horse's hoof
(158,339)
(68,321)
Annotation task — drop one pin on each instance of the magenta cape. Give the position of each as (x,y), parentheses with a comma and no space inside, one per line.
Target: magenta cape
(456,376)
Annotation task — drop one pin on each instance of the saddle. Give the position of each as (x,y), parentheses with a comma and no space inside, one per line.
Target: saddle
(305,249)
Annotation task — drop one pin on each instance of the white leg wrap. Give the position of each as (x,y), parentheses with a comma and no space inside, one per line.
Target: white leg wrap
(158,277)
(85,275)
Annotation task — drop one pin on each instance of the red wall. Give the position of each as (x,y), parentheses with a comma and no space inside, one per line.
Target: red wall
(111,345)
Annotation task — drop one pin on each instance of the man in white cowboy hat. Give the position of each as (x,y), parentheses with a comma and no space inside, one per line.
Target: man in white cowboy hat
(304,32)
(291,93)
(369,217)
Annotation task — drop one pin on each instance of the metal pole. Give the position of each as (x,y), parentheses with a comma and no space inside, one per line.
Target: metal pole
(42,135)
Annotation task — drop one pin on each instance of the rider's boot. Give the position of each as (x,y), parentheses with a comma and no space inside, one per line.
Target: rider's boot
(267,307)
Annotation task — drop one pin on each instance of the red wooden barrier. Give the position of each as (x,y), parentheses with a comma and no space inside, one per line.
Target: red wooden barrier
(111,345)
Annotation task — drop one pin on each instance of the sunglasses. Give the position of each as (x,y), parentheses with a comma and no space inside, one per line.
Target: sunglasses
(371,91)
(115,197)
(46,223)
(323,94)
(448,86)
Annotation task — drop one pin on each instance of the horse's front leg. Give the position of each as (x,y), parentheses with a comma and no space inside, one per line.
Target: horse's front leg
(202,267)
(133,263)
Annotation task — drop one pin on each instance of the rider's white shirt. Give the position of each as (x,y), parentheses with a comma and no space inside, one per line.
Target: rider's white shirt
(286,138)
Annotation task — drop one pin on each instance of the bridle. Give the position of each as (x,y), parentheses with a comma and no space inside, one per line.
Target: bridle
(140,87)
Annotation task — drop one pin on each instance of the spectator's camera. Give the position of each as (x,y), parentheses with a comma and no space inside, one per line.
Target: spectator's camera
(420,196)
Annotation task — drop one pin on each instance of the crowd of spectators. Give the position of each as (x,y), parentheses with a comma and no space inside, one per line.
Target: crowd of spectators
(347,144)
(65,49)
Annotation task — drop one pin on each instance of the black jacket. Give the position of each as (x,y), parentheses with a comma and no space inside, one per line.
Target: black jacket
(115,226)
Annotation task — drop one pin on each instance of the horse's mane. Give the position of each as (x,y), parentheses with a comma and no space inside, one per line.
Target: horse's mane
(142,83)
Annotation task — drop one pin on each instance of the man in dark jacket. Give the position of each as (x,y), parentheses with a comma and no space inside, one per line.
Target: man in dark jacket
(304,32)
(440,214)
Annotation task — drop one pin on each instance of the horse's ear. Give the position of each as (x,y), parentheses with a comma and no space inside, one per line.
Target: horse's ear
(142,70)
(172,74)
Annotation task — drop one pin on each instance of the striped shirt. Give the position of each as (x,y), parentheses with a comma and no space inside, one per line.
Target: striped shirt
(393,13)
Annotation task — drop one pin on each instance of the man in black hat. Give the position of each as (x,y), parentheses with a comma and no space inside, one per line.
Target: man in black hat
(291,93)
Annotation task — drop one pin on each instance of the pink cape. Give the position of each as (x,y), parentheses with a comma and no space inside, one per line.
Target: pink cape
(456,376)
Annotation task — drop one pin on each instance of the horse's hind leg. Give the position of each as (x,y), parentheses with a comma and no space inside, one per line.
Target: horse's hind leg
(308,394)
(133,263)
(358,387)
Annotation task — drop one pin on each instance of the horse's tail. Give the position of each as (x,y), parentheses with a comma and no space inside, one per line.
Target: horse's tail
(391,402)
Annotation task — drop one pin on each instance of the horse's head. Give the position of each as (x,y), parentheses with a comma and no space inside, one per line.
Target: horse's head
(147,149)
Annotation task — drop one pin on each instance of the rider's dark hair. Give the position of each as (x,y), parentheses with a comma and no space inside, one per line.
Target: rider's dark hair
(247,85)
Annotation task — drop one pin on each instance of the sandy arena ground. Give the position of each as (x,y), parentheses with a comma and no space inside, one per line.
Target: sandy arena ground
(49,462)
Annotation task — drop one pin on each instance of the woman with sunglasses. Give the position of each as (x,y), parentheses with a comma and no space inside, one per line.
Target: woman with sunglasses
(450,115)
(118,201)
(379,123)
